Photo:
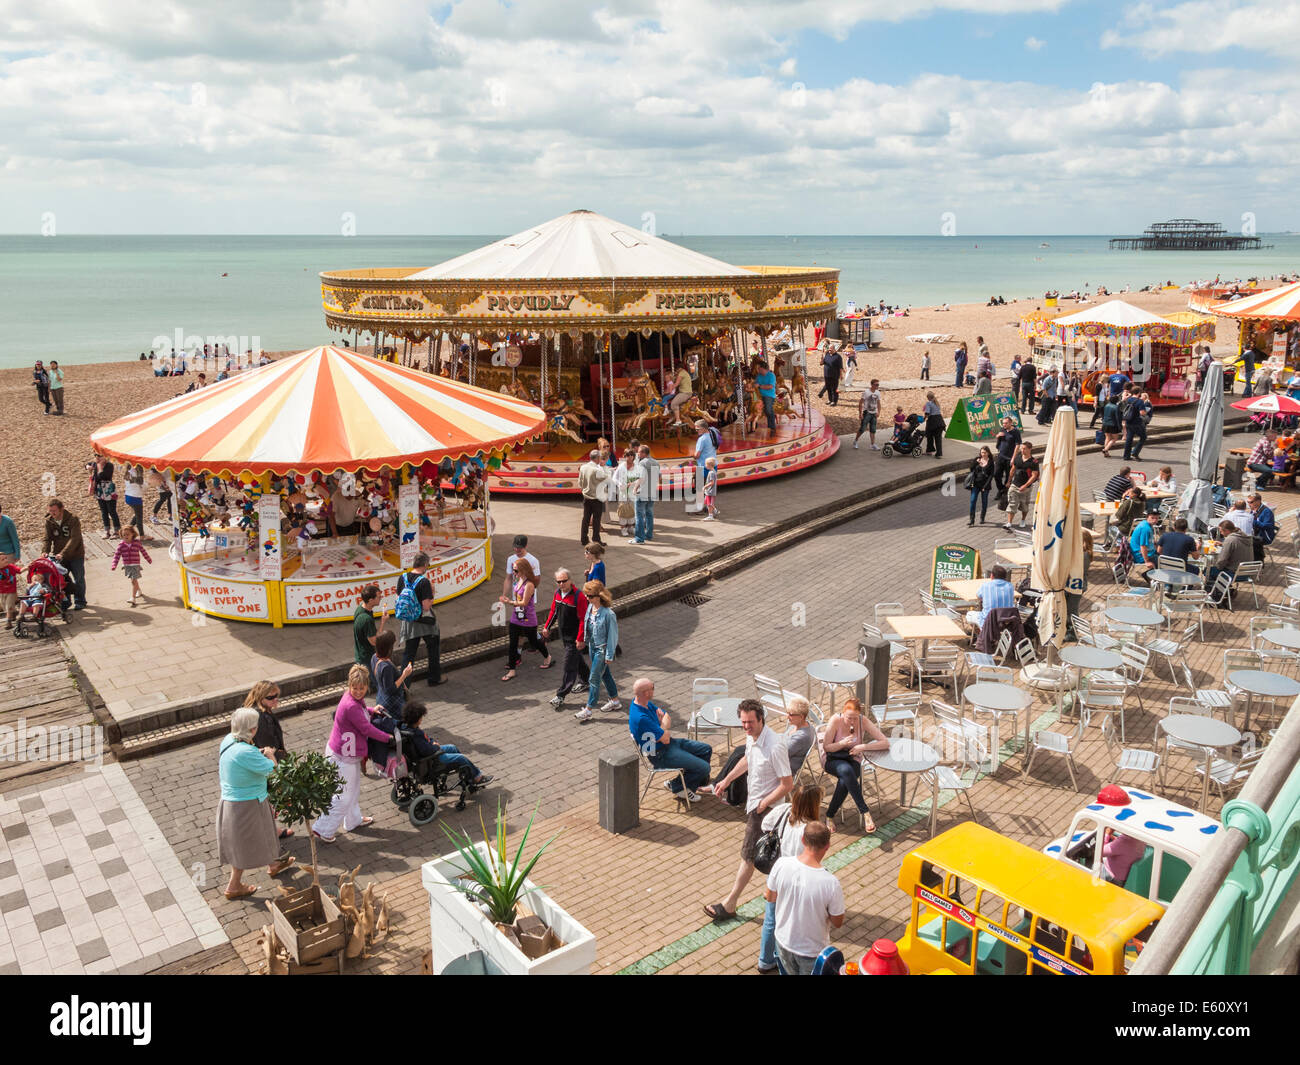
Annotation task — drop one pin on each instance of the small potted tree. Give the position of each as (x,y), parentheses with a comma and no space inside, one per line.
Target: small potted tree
(307,922)
(475,900)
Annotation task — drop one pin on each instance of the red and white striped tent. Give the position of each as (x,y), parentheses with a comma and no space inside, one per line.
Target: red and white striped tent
(321,410)
(1275,304)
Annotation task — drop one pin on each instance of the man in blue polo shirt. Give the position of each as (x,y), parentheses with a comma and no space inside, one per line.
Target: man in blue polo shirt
(1118,383)
(649,727)
(1141,542)
(765,379)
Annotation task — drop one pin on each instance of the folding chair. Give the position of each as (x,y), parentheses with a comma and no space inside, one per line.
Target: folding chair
(1054,743)
(705,690)
(652,772)
(1248,573)
(1129,759)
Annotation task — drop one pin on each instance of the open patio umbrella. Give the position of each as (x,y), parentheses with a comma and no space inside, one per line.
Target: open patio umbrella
(1205,449)
(1278,403)
(1058,541)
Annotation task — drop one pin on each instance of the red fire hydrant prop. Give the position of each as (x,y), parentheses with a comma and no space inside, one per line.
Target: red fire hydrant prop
(883,960)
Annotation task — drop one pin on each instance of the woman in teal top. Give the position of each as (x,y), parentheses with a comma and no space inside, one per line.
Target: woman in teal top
(246,836)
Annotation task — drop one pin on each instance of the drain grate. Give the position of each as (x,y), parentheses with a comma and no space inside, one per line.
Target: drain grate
(695,599)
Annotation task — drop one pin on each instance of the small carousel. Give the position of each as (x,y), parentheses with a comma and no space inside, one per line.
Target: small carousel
(614,333)
(296,484)
(1155,351)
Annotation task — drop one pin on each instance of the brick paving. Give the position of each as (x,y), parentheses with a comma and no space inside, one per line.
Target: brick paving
(645,905)
(654,881)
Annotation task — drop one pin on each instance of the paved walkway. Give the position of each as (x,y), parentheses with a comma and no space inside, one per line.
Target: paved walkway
(146,658)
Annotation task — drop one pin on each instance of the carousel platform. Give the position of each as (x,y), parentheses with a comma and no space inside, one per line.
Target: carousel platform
(552,468)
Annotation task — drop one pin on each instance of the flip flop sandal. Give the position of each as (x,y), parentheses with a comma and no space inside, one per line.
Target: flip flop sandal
(234,895)
(548,665)
(509,676)
(366,821)
(718,912)
(285,833)
(323,839)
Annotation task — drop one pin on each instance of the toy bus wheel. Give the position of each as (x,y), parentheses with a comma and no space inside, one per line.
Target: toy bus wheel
(423,810)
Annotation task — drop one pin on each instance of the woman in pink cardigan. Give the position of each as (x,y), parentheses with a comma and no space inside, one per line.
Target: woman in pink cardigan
(347,750)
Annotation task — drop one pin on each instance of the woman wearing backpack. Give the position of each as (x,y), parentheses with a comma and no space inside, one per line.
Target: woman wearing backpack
(414,609)
(601,631)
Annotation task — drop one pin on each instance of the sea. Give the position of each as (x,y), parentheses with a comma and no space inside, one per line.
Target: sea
(104,298)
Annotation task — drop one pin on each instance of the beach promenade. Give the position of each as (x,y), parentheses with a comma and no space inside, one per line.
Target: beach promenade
(150,896)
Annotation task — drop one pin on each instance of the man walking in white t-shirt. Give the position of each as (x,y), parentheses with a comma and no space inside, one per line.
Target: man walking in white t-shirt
(767,761)
(809,902)
(869,414)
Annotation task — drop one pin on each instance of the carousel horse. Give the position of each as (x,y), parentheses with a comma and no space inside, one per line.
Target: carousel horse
(651,411)
(691,411)
(799,388)
(518,389)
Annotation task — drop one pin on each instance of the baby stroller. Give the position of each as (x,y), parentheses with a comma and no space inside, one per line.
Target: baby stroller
(411,775)
(46,597)
(906,441)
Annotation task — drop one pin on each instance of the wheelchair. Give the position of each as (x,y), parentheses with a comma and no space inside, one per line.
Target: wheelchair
(408,791)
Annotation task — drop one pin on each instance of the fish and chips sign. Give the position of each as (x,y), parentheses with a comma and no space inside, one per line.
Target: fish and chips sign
(952,562)
(980,417)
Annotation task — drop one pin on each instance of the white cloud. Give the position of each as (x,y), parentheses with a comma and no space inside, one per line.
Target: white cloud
(1203,27)
(501,115)
(1034,44)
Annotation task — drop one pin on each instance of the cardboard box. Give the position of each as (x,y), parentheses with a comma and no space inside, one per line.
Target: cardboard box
(325,933)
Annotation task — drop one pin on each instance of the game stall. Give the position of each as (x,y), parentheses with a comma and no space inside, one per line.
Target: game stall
(298,483)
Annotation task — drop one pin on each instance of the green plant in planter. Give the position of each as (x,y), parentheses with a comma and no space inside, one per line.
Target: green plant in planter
(301,789)
(495,881)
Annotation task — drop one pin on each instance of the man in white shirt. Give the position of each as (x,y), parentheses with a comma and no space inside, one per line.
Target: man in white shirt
(767,761)
(520,551)
(808,900)
(1241,517)
(593,482)
(869,414)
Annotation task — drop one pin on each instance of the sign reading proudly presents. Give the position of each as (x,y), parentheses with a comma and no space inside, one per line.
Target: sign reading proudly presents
(952,562)
(980,417)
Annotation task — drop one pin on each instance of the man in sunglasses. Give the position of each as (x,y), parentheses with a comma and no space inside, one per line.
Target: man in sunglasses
(568,614)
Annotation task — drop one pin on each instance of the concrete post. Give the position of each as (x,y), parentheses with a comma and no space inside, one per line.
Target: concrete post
(618,784)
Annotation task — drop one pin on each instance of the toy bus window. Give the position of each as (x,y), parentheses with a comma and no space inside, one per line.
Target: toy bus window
(1050,936)
(1079,952)
(929,925)
(992,907)
(931,877)
(957,940)
(953,890)
(1018,919)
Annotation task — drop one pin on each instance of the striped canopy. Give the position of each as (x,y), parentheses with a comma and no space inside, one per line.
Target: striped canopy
(320,410)
(1279,304)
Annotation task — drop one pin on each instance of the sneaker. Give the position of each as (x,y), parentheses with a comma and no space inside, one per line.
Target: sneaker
(708,517)
(584,714)
(557,702)
(855,445)
(613,704)
(875,447)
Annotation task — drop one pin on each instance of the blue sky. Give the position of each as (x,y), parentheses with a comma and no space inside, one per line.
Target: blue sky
(122,116)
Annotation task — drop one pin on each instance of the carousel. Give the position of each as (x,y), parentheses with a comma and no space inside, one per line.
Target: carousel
(615,334)
(1118,336)
(297,484)
(1268,323)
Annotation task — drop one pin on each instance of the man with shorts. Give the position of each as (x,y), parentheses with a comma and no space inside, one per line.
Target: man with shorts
(868,414)
(767,761)
(1024,483)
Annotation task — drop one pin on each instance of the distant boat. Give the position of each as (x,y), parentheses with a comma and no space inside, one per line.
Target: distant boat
(1044,245)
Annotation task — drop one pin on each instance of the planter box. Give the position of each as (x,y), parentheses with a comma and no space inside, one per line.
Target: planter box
(458,927)
(327,935)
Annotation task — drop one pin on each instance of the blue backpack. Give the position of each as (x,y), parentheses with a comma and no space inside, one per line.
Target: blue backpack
(408,606)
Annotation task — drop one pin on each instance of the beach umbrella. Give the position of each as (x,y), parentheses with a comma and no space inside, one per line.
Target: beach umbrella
(1205,449)
(1058,541)
(1279,403)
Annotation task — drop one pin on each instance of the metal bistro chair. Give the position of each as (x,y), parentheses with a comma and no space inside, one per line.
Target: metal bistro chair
(1171,562)
(900,708)
(967,770)
(1229,774)
(704,690)
(1182,704)
(900,653)
(1280,657)
(1174,652)
(1189,603)
(652,772)
(771,694)
(1129,759)
(1064,744)
(940,664)
(1220,594)
(976,659)
(1105,698)
(1248,573)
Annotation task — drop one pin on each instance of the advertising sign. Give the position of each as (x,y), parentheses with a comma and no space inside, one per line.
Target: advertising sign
(952,562)
(408,520)
(270,549)
(332,602)
(231,599)
(980,417)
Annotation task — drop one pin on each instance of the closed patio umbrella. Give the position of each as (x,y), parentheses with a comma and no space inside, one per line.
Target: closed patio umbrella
(1205,450)
(1058,541)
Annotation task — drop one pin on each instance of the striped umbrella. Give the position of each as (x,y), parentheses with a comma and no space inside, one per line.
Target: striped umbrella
(1279,304)
(320,410)
(1274,403)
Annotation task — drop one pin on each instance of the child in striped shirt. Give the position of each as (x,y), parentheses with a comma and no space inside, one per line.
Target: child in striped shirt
(128,553)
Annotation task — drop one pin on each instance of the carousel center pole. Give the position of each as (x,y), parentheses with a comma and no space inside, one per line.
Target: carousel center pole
(613,421)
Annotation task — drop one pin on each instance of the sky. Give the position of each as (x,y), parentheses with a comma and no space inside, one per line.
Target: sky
(680,116)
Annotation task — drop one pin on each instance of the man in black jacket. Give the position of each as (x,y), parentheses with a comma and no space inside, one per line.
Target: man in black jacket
(1028,385)
(569,614)
(1007,442)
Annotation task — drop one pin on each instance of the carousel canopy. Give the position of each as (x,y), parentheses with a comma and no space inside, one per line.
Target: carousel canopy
(1278,304)
(320,410)
(579,244)
(1117,320)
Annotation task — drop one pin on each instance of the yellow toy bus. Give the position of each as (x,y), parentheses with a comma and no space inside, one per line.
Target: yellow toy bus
(983,904)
